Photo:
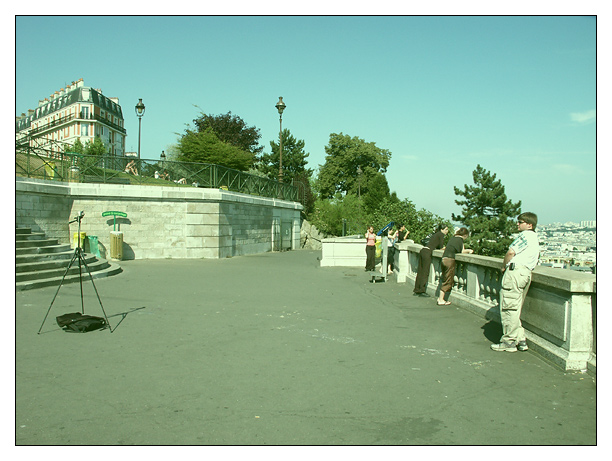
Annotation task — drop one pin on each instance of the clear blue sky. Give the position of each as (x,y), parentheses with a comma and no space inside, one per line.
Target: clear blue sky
(515,94)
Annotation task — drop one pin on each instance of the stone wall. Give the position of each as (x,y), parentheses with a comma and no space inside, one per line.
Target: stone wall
(161,222)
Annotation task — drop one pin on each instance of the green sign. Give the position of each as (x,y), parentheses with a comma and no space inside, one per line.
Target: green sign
(114,214)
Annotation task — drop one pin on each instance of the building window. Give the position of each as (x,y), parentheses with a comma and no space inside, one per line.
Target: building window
(84,130)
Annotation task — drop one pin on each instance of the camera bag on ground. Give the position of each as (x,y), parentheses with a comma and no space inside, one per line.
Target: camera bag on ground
(79,323)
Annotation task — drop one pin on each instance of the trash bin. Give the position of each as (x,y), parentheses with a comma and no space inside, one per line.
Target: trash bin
(116,245)
(93,245)
(75,240)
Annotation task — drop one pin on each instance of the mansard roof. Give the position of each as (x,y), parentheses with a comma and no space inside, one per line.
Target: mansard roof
(80,94)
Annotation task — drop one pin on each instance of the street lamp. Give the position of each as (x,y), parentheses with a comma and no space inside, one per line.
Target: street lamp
(140,110)
(280,105)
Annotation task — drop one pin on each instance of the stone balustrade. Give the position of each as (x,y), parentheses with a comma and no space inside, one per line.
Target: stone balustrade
(559,314)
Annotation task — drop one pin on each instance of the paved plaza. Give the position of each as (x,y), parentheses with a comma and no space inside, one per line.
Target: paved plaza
(272,349)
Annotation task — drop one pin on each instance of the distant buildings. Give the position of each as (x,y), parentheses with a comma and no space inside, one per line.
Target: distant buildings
(74,112)
(569,245)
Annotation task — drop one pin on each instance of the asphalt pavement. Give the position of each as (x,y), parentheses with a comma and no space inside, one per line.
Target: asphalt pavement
(272,349)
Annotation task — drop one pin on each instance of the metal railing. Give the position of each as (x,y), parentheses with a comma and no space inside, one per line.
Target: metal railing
(73,167)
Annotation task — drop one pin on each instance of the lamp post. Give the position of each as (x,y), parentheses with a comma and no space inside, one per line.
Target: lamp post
(280,105)
(140,110)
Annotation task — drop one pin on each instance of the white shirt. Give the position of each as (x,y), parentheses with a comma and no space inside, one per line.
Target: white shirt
(527,249)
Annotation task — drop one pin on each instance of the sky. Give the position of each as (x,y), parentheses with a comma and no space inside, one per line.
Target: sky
(514,94)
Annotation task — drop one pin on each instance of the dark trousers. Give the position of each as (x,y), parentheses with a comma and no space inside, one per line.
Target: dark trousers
(420,284)
(370,257)
(390,257)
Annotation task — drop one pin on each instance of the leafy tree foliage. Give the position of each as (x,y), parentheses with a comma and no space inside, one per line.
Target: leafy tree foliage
(95,147)
(294,159)
(345,157)
(206,147)
(232,130)
(376,192)
(306,196)
(328,216)
(488,213)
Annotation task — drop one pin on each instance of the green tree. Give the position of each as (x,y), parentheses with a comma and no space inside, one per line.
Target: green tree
(76,148)
(487,213)
(294,159)
(418,222)
(350,164)
(329,215)
(206,147)
(232,130)
(376,192)
(89,150)
(95,147)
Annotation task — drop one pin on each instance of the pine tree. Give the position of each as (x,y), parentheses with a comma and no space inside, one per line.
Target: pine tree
(487,213)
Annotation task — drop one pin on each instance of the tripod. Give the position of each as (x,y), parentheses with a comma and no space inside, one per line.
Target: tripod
(78,255)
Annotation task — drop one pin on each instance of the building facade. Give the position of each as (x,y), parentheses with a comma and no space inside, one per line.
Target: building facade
(74,112)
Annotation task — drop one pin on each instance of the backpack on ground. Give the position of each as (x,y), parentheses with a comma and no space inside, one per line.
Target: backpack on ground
(79,323)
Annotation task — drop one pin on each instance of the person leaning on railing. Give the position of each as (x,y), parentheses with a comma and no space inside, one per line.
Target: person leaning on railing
(435,242)
(453,246)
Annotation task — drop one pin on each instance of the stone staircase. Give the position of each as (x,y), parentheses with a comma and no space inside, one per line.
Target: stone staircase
(41,262)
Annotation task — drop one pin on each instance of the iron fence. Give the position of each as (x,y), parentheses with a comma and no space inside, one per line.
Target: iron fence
(73,167)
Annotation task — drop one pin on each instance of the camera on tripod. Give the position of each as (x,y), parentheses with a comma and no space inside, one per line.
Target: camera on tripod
(78,217)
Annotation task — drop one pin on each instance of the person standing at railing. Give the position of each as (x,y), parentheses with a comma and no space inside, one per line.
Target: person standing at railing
(520,260)
(370,249)
(435,242)
(391,239)
(402,233)
(453,246)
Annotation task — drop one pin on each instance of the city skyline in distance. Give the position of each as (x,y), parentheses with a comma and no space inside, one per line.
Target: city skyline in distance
(516,95)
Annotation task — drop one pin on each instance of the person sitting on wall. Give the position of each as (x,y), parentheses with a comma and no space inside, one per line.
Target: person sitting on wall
(130,168)
(181,181)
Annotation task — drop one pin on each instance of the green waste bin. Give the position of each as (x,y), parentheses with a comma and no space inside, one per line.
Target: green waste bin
(93,245)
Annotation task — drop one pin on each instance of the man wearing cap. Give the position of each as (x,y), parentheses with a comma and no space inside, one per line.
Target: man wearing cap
(520,260)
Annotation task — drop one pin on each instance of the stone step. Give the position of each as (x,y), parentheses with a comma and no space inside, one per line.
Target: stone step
(52,263)
(42,250)
(31,236)
(35,243)
(31,258)
(112,269)
(96,265)
(42,262)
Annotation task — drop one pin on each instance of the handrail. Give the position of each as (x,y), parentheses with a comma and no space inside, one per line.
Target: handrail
(74,167)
